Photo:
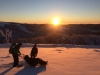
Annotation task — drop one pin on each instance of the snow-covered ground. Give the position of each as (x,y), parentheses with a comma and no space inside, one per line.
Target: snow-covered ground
(62,60)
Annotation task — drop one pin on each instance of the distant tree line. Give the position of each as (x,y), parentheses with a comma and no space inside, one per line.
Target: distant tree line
(60,38)
(79,34)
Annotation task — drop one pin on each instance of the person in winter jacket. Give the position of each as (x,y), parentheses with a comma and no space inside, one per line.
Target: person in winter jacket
(12,47)
(15,54)
(34,51)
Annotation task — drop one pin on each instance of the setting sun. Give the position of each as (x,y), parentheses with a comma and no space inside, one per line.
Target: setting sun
(56,21)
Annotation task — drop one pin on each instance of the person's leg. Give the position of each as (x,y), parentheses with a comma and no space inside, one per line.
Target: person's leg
(17,60)
(14,58)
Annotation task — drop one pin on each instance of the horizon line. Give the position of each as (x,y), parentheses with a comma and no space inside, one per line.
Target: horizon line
(47,23)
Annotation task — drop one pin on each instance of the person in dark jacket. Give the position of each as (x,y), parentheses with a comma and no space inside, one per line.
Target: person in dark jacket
(34,51)
(12,47)
(15,54)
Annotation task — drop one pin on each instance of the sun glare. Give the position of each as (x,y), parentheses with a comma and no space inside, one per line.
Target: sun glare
(56,21)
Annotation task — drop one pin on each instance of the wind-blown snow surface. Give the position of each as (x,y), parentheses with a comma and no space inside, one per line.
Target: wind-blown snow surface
(62,60)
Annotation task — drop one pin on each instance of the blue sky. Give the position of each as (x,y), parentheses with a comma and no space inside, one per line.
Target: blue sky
(42,11)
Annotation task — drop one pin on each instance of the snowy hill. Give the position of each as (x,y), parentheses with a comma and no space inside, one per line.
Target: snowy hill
(3,24)
(18,31)
(24,29)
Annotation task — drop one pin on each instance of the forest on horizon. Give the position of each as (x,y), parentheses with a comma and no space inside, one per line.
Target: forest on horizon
(81,34)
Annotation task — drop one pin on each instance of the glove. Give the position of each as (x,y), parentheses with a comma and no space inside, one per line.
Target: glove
(19,54)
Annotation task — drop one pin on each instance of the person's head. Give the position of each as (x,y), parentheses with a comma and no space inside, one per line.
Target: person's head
(19,44)
(34,45)
(13,44)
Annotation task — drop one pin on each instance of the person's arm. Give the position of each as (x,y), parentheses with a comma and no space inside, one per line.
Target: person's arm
(19,53)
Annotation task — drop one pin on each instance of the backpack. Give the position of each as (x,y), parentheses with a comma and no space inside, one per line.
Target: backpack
(11,50)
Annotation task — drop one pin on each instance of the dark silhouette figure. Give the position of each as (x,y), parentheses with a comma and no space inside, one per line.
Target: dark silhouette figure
(34,51)
(12,47)
(34,61)
(15,54)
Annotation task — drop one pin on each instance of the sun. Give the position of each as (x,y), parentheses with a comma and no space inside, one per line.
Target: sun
(56,21)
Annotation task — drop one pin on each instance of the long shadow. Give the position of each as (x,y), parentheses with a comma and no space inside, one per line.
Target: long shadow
(3,73)
(28,70)
(97,50)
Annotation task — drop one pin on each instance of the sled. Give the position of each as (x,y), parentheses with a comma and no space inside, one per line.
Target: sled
(34,61)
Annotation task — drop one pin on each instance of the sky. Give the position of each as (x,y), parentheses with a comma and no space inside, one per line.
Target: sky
(43,11)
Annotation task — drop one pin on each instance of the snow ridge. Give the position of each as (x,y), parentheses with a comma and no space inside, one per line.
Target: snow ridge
(24,29)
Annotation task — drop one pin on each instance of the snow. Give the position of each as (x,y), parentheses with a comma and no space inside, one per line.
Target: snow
(2,24)
(62,60)
(24,29)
